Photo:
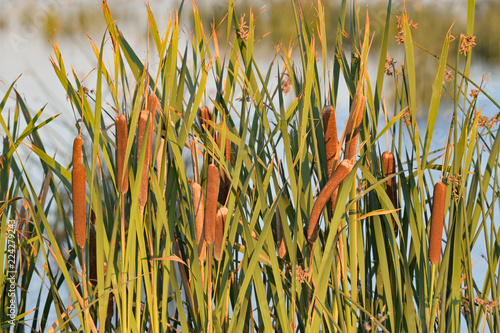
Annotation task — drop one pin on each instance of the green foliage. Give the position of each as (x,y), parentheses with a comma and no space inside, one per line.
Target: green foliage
(363,273)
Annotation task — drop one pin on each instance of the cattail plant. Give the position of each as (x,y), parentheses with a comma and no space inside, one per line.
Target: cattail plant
(338,176)
(121,148)
(354,126)
(280,235)
(437,219)
(199,217)
(388,166)
(211,202)
(79,194)
(143,121)
(219,231)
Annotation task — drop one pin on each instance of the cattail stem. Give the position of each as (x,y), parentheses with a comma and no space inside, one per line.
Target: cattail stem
(219,232)
(143,123)
(211,202)
(121,149)
(437,219)
(199,217)
(338,176)
(79,194)
(354,126)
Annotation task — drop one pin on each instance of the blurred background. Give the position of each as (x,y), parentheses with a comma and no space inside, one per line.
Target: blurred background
(27,29)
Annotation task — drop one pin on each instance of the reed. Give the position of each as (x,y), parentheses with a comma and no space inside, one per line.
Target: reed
(79,194)
(211,202)
(199,217)
(338,176)
(143,121)
(354,126)
(280,236)
(121,149)
(219,232)
(437,219)
(389,167)
(225,184)
(92,251)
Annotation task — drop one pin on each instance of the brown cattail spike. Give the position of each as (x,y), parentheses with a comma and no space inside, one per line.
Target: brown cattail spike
(331,139)
(79,194)
(437,219)
(331,144)
(204,115)
(354,126)
(121,148)
(152,104)
(211,202)
(219,232)
(199,217)
(280,235)
(389,167)
(338,176)
(143,192)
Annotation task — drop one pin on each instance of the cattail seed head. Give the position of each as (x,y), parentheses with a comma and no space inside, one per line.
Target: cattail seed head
(331,139)
(219,232)
(204,115)
(79,194)
(143,121)
(389,167)
(211,202)
(121,148)
(199,217)
(437,219)
(331,144)
(354,126)
(152,104)
(338,176)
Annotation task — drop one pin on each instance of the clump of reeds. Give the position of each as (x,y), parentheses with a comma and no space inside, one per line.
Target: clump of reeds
(79,194)
(389,167)
(437,219)
(211,202)
(143,121)
(354,126)
(219,231)
(338,176)
(199,217)
(121,148)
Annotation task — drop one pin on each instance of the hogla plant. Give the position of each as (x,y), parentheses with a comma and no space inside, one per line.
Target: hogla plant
(219,197)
